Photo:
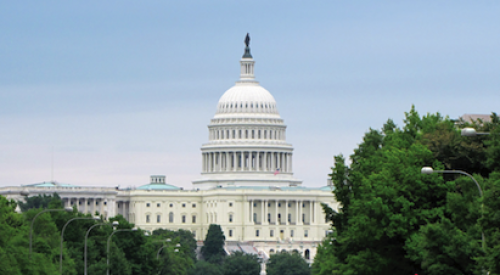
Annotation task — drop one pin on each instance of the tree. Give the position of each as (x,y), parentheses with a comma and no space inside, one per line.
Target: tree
(206,268)
(41,201)
(213,247)
(393,220)
(240,263)
(284,263)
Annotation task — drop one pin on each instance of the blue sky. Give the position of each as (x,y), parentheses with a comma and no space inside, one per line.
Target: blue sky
(110,92)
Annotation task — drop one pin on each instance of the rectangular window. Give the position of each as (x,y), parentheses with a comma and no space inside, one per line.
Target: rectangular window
(230,218)
(147,219)
(171,205)
(230,233)
(194,219)
(279,204)
(289,217)
(194,205)
(303,217)
(268,217)
(158,205)
(256,233)
(148,204)
(158,218)
(306,233)
(289,204)
(271,233)
(268,204)
(194,233)
(183,205)
(230,204)
(254,204)
(291,233)
(183,218)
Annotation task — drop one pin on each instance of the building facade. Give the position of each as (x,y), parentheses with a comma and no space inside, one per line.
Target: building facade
(246,184)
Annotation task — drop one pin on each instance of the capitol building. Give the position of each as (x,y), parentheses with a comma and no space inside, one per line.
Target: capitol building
(246,184)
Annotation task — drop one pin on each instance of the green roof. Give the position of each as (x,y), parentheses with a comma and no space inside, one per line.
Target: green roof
(51,184)
(158,186)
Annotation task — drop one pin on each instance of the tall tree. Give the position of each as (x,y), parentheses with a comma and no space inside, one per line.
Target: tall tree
(213,246)
(240,263)
(287,263)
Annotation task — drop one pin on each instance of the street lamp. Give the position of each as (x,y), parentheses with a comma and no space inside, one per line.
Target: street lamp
(67,209)
(115,223)
(159,250)
(471,132)
(62,236)
(109,242)
(429,170)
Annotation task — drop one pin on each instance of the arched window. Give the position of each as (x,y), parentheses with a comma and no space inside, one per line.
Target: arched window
(271,251)
(307,254)
(171,217)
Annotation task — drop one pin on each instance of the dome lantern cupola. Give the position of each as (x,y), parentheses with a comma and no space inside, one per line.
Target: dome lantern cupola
(247,63)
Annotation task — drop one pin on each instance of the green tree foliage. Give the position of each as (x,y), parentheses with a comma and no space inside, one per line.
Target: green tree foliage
(41,201)
(394,220)
(213,247)
(240,263)
(284,263)
(206,268)
(185,237)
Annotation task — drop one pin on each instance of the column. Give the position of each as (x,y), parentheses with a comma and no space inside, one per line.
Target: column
(291,168)
(85,207)
(241,160)
(233,155)
(264,163)
(265,213)
(276,212)
(297,212)
(101,209)
(286,212)
(227,156)
(257,162)
(219,161)
(211,161)
(262,219)
(251,211)
(273,167)
(310,211)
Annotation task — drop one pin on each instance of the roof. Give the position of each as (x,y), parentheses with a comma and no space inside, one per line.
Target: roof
(158,186)
(51,184)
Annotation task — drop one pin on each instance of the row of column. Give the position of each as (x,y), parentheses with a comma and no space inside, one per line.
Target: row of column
(247,161)
(247,134)
(299,212)
(91,205)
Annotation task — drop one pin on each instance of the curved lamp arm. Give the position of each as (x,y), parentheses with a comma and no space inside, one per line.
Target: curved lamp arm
(67,209)
(62,237)
(87,236)
(109,242)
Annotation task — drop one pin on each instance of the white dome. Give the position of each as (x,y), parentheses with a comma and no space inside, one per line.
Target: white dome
(247,98)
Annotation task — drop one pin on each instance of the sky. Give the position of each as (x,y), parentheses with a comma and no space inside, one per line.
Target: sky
(107,93)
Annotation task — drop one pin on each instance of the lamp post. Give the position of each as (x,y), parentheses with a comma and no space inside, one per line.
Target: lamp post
(471,132)
(429,170)
(67,209)
(62,237)
(109,242)
(115,223)
(159,250)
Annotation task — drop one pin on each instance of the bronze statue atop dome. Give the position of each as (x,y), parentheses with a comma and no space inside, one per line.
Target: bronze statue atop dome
(247,39)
